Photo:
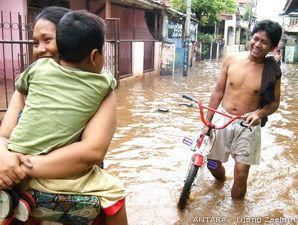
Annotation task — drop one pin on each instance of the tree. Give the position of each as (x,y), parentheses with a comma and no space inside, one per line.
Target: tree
(248,14)
(207,11)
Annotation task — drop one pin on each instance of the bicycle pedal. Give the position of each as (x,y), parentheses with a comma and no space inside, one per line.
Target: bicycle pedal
(187,141)
(212,164)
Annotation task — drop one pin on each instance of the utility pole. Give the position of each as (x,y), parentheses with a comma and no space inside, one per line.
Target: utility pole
(186,38)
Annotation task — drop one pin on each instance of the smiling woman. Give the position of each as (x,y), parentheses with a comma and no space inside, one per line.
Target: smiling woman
(66,160)
(44,33)
(44,43)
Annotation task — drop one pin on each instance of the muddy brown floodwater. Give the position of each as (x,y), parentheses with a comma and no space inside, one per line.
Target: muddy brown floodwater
(148,155)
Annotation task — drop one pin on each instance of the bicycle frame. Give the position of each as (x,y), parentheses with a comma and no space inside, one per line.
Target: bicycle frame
(201,149)
(205,120)
(198,157)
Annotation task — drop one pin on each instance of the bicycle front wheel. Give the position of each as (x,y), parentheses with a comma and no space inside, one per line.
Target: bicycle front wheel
(192,173)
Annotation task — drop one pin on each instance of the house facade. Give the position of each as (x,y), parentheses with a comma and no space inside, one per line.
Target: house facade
(131,25)
(144,37)
(238,27)
(290,38)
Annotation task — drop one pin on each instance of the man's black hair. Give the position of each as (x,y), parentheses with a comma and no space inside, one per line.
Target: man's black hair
(53,14)
(273,30)
(78,33)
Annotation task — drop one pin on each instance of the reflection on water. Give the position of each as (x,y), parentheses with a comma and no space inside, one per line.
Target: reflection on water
(148,155)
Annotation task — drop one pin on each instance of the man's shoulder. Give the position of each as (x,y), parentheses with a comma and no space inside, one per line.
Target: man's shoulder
(235,57)
(238,55)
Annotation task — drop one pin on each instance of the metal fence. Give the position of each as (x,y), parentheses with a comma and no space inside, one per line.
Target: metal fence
(213,50)
(149,55)
(16,52)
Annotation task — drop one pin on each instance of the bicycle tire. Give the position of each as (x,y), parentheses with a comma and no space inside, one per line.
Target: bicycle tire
(184,196)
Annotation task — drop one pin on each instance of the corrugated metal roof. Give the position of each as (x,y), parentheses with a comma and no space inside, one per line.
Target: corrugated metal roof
(290,6)
(162,2)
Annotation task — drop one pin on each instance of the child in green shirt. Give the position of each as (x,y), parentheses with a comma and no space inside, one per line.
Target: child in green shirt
(61,99)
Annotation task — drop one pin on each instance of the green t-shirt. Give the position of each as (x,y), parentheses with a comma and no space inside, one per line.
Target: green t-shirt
(60,101)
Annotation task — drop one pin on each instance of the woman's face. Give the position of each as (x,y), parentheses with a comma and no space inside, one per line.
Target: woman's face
(44,39)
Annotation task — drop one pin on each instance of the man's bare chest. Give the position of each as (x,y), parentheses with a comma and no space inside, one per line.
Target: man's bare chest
(244,77)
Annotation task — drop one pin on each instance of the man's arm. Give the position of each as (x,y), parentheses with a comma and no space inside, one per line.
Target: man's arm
(219,90)
(80,156)
(254,118)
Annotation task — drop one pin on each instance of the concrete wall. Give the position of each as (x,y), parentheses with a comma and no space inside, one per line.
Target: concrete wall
(230,35)
(14,6)
(289,54)
(11,54)
(137,58)
(167,59)
(157,57)
(138,63)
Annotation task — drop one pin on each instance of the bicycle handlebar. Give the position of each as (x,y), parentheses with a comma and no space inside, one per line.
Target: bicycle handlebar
(205,120)
(188,97)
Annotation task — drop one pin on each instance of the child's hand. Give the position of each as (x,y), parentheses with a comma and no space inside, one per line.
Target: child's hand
(25,161)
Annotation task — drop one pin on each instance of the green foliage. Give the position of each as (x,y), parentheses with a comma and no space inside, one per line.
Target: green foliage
(208,38)
(205,50)
(205,37)
(207,11)
(179,5)
(248,14)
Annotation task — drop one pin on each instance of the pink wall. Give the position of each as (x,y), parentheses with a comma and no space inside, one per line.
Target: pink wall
(130,27)
(14,6)
(77,4)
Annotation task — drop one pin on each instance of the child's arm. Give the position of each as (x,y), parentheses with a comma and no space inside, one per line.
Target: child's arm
(80,156)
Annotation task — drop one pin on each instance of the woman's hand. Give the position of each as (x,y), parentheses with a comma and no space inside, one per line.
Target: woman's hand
(11,172)
(10,168)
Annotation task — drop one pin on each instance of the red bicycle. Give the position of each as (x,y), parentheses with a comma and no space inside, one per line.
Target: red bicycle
(201,149)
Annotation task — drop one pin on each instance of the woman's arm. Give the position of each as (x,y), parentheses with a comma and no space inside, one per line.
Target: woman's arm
(10,170)
(10,119)
(80,156)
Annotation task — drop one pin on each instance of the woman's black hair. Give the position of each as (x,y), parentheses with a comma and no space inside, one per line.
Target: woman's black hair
(53,14)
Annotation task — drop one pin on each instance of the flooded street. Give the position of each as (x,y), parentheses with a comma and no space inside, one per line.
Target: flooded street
(147,153)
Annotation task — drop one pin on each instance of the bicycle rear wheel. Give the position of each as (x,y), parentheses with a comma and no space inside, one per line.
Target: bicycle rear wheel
(184,196)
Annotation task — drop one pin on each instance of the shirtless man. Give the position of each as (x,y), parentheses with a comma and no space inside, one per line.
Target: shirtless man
(239,91)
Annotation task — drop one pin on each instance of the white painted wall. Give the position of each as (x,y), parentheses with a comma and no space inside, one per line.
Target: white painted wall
(167,59)
(157,56)
(137,58)
(230,23)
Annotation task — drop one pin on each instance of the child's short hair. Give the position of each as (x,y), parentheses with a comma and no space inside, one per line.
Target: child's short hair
(78,33)
(273,30)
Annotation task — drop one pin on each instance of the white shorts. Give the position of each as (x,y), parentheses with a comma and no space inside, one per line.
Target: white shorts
(242,143)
